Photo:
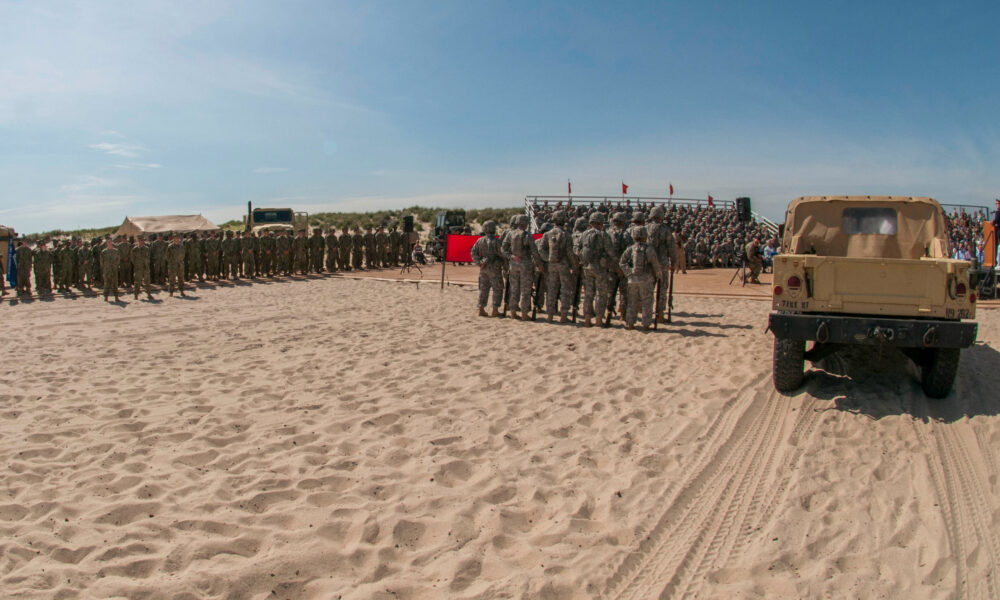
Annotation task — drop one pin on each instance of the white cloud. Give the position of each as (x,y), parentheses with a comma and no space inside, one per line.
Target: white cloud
(265,170)
(87,182)
(119,149)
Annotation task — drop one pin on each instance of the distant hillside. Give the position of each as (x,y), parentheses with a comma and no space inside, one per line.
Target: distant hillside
(326,220)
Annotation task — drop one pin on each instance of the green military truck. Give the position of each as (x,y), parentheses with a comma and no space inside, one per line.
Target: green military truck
(872,270)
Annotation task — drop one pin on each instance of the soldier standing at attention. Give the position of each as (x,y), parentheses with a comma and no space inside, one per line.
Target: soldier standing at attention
(283,252)
(332,248)
(357,248)
(753,259)
(661,239)
(316,247)
(234,253)
(141,255)
(246,249)
(110,265)
(344,250)
(175,265)
(557,250)
(42,262)
(394,240)
(96,246)
(211,245)
(382,248)
(519,249)
(640,265)
(487,255)
(23,257)
(619,242)
(371,262)
(267,248)
(83,258)
(300,250)
(597,253)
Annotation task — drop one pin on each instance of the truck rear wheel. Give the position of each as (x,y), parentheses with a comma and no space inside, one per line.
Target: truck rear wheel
(789,364)
(938,374)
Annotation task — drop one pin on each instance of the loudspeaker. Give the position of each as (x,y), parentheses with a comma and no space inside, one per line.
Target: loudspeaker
(743,209)
(408,224)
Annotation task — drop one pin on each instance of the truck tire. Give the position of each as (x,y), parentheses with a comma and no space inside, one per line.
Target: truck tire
(789,364)
(938,375)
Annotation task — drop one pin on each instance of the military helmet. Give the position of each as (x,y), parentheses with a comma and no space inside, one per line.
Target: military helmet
(580,224)
(523,220)
(619,217)
(489,227)
(657,212)
(559,217)
(639,233)
(598,217)
(546,227)
(639,217)
(514,220)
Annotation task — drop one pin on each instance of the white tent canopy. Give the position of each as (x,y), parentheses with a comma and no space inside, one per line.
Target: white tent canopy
(162,224)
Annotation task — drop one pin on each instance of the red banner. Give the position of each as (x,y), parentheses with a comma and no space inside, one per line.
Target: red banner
(460,247)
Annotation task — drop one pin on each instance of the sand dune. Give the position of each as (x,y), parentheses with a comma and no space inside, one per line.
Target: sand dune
(333,437)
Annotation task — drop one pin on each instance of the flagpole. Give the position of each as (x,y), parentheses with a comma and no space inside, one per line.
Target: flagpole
(444,262)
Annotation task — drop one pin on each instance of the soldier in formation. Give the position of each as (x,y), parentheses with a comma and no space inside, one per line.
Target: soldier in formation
(487,255)
(110,265)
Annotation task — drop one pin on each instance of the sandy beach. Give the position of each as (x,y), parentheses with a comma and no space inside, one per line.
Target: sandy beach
(353,438)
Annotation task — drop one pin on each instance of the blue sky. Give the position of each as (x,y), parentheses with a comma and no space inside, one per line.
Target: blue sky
(110,109)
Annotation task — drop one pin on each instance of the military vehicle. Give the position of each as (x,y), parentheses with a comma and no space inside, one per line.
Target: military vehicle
(258,219)
(870,270)
(450,219)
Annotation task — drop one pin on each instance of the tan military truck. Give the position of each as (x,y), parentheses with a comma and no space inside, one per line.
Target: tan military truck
(871,270)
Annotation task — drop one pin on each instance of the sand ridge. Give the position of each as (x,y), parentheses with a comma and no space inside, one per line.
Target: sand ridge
(336,437)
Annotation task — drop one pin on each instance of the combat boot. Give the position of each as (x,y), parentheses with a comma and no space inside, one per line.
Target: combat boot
(496,313)
(482,312)
(550,317)
(589,322)
(629,326)
(514,315)
(564,319)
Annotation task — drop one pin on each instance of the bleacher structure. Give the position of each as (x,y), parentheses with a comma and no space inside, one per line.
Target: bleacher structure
(572,201)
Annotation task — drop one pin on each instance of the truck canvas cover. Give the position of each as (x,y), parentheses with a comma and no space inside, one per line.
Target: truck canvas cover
(865,226)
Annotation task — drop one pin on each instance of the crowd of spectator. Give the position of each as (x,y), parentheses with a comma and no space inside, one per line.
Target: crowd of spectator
(965,232)
(711,236)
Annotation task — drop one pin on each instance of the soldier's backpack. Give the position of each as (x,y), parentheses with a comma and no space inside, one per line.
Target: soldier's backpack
(516,237)
(590,246)
(639,259)
(556,237)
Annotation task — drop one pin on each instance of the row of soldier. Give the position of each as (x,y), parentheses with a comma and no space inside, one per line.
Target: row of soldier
(173,258)
(584,263)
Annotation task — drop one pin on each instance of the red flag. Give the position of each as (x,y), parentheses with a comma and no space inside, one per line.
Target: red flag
(671,189)
(569,186)
(624,188)
(711,200)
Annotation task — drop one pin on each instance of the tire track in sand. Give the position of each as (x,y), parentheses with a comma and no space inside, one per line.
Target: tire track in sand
(958,472)
(738,477)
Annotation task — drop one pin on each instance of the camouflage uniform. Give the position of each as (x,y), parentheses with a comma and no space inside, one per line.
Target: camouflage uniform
(141,256)
(661,240)
(394,242)
(300,248)
(23,257)
(557,250)
(371,261)
(234,254)
(519,249)
(357,248)
(344,252)
(175,266)
(332,249)
(83,260)
(616,279)
(191,256)
(283,252)
(316,247)
(753,260)
(158,260)
(487,255)
(381,248)
(246,249)
(42,262)
(640,265)
(267,253)
(110,266)
(213,252)
(596,252)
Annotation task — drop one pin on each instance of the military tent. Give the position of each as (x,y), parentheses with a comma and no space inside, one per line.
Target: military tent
(163,224)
